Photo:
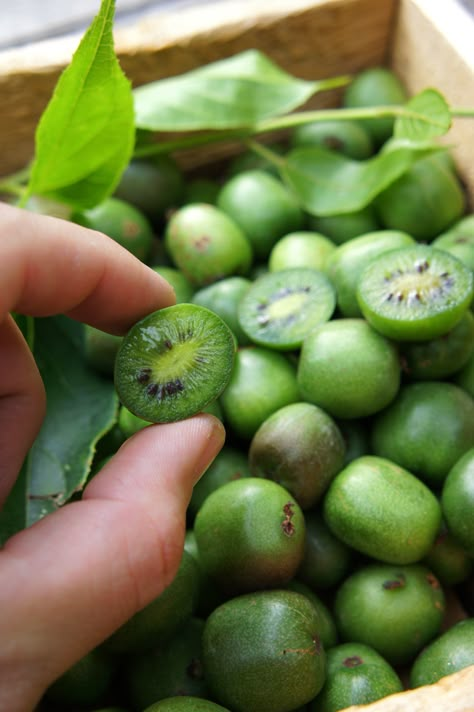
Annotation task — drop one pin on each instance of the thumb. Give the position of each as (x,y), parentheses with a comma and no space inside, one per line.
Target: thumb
(71,579)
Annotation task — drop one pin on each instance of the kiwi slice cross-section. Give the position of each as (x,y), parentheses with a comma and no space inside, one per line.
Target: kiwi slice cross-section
(415,293)
(173,363)
(280,308)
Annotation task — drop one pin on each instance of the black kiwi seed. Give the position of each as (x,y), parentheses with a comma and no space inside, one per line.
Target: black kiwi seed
(173,363)
(280,308)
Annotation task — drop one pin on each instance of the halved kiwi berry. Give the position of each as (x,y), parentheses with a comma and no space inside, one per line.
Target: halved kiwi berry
(173,363)
(280,308)
(415,293)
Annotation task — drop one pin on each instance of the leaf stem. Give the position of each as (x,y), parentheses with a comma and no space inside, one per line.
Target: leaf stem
(286,122)
(200,139)
(265,152)
(462,111)
(370,112)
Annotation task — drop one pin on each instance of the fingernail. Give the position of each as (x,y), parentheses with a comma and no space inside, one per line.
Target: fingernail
(212,433)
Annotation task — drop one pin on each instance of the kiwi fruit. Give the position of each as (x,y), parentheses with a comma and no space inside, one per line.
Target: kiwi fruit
(415,293)
(376,86)
(342,228)
(153,185)
(280,308)
(173,363)
(347,137)
(121,221)
(440,357)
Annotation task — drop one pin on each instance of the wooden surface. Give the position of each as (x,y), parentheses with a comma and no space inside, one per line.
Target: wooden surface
(454,693)
(341,36)
(433,45)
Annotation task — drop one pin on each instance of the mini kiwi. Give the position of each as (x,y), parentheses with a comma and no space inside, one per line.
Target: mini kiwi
(280,308)
(173,363)
(415,293)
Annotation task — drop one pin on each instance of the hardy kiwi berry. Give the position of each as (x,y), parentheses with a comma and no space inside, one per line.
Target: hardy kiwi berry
(173,363)
(415,293)
(280,308)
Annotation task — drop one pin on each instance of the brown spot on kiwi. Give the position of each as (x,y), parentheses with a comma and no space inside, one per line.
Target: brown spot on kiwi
(202,243)
(130,229)
(333,142)
(352,661)
(433,581)
(393,584)
(287,525)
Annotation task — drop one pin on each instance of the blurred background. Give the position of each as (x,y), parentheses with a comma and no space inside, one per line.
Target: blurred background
(25,21)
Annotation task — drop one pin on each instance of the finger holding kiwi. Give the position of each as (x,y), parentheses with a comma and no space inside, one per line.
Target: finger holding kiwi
(173,363)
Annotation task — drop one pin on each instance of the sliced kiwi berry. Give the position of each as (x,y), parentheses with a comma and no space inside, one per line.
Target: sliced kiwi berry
(415,293)
(173,363)
(280,308)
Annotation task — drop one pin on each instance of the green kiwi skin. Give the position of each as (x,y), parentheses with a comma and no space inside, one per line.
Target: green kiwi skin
(407,313)
(448,560)
(382,510)
(465,377)
(247,634)
(262,381)
(342,228)
(441,357)
(300,447)
(167,671)
(450,652)
(326,560)
(261,535)
(183,288)
(348,369)
(301,249)
(327,628)
(346,137)
(147,377)
(230,464)
(154,186)
(185,704)
(426,429)
(161,618)
(457,501)
(263,208)
(395,609)
(356,675)
(206,244)
(223,298)
(100,349)
(424,201)
(121,221)
(347,262)
(376,86)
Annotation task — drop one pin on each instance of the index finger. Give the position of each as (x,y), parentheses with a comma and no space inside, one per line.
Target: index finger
(51,266)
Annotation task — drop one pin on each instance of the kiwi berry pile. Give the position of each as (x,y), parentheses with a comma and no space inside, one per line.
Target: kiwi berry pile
(330,546)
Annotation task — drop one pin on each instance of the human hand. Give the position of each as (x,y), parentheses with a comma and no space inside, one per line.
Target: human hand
(71,579)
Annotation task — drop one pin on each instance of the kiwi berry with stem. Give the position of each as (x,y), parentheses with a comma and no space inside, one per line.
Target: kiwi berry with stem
(173,363)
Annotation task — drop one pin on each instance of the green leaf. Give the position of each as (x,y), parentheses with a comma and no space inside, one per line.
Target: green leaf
(429,117)
(85,136)
(81,407)
(327,183)
(230,93)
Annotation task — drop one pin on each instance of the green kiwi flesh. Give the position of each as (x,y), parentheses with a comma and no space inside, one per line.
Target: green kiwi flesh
(173,363)
(280,308)
(415,293)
